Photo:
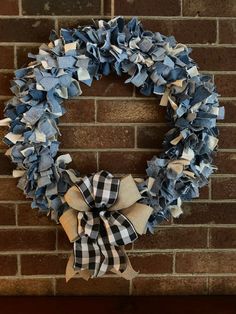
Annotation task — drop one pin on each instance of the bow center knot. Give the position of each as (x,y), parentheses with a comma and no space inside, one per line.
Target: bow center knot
(100,191)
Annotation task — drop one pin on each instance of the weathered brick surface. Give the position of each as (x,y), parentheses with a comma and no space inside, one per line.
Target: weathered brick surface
(224,188)
(125,162)
(25,30)
(27,239)
(18,286)
(148,7)
(227,33)
(139,111)
(79,111)
(215,59)
(207,213)
(170,286)
(226,84)
(66,7)
(43,264)
(7,213)
(223,238)
(206,262)
(9,7)
(209,8)
(98,286)
(186,31)
(6,57)
(114,127)
(26,216)
(222,285)
(8,265)
(173,238)
(152,263)
(97,137)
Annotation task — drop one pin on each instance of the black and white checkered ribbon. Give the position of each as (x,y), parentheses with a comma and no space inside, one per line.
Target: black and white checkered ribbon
(102,232)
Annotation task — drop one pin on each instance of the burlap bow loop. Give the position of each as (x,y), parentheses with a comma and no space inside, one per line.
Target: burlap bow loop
(104,215)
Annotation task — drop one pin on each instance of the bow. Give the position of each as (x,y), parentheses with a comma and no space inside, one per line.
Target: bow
(103,217)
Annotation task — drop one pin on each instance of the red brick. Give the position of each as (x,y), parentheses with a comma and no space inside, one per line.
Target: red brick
(9,191)
(106,7)
(24,286)
(225,84)
(205,262)
(25,30)
(139,111)
(226,141)
(152,263)
(43,264)
(96,286)
(8,265)
(204,192)
(97,137)
(63,243)
(22,58)
(225,163)
(66,7)
(31,217)
(170,286)
(151,136)
(5,79)
(9,7)
(207,213)
(109,86)
(224,188)
(7,213)
(6,57)
(227,31)
(230,110)
(79,110)
(185,31)
(124,162)
(85,162)
(6,166)
(148,7)
(222,285)
(215,59)
(209,8)
(173,238)
(223,238)
(27,239)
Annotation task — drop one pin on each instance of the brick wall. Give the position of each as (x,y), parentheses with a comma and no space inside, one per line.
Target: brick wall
(113,127)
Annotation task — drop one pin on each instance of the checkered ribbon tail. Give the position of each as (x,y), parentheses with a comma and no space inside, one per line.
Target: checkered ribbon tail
(101,232)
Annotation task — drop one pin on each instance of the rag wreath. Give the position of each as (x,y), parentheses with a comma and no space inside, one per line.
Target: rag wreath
(99,212)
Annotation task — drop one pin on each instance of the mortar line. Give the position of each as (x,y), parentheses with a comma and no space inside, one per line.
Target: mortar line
(181,8)
(102,7)
(154,275)
(173,261)
(56,25)
(18,265)
(16,214)
(20,7)
(112,8)
(54,285)
(217,31)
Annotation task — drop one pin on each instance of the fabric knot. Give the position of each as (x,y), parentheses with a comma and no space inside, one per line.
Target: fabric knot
(100,191)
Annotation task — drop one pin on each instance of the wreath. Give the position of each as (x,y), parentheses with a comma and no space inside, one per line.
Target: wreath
(99,212)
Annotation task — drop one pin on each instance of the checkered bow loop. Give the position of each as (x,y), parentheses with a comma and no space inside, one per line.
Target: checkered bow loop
(101,232)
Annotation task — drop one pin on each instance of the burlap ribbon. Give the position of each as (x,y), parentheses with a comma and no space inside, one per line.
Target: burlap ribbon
(104,215)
